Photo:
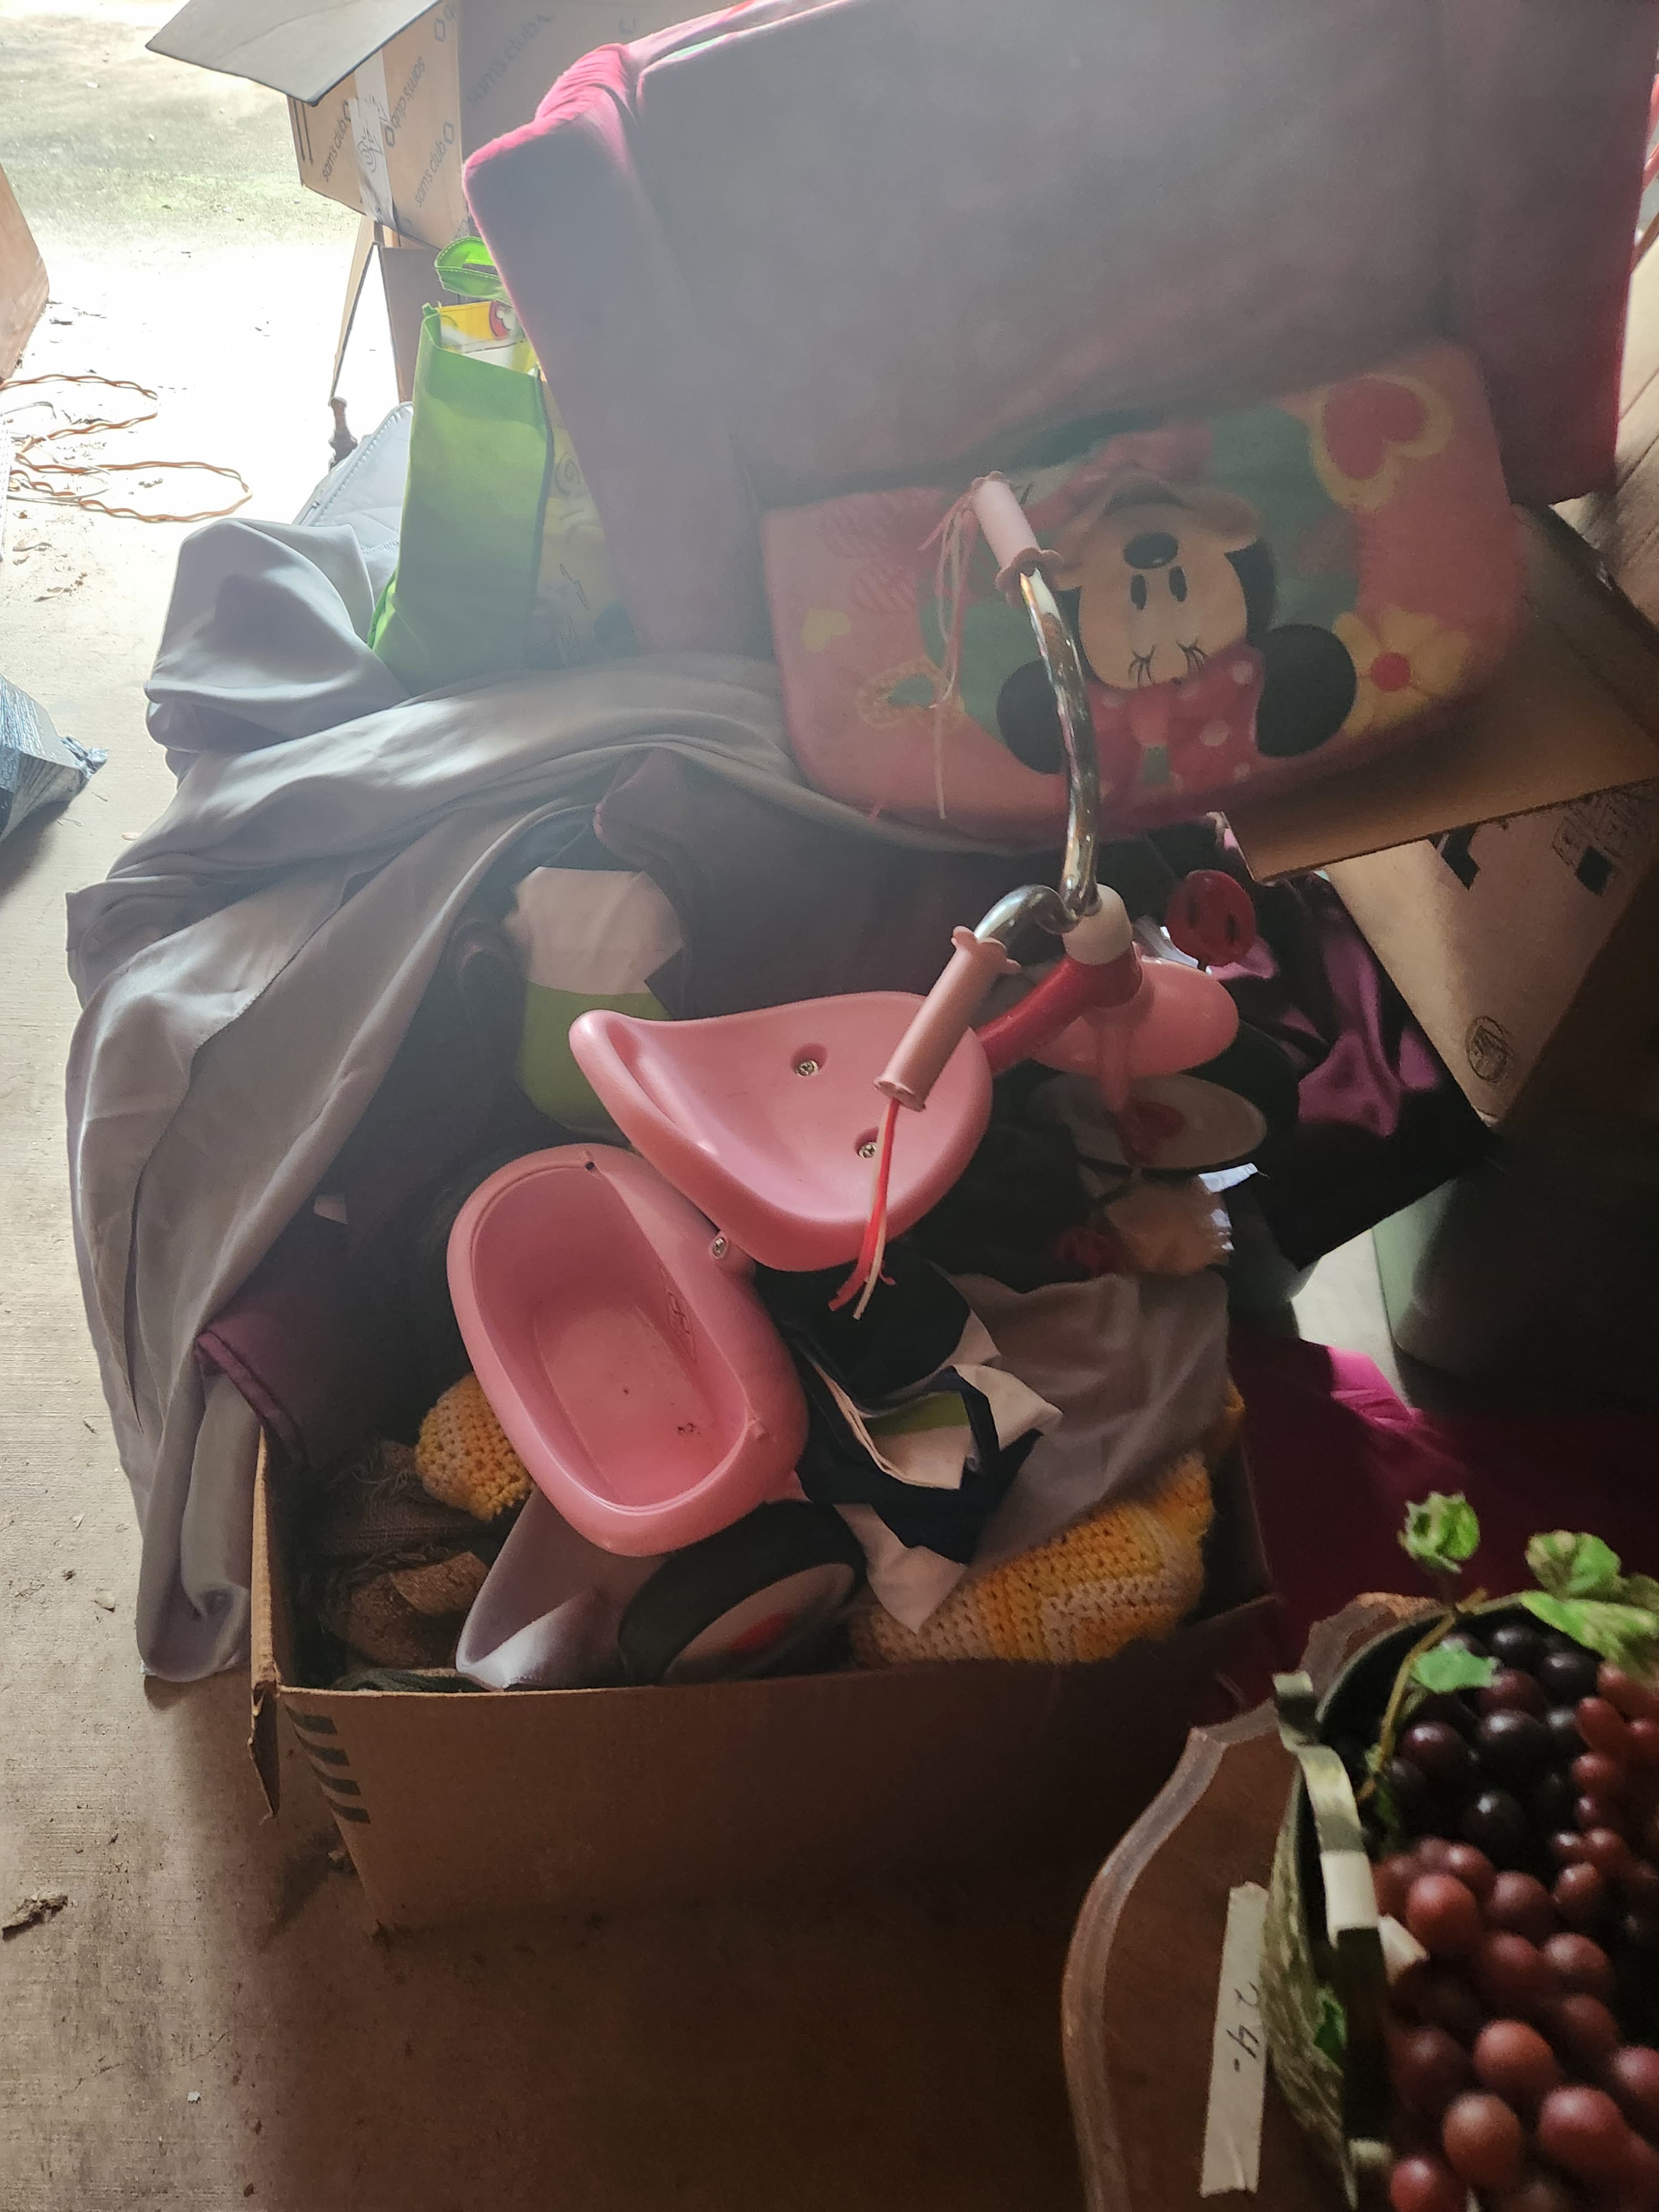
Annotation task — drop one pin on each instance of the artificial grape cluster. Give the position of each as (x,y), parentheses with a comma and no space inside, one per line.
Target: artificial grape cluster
(1521,2050)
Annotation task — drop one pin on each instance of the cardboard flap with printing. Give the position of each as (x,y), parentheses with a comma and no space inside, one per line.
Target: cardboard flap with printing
(1490,931)
(1575,710)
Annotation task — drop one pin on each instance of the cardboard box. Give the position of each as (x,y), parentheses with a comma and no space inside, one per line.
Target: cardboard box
(386,101)
(1574,710)
(455,1807)
(1525,948)
(23,286)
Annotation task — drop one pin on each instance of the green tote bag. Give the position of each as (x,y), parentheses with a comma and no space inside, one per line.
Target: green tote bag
(480,462)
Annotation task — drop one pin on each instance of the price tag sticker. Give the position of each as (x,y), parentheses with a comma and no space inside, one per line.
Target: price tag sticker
(1238,2055)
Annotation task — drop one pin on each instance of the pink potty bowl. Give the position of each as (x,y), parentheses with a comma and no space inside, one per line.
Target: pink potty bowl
(636,1375)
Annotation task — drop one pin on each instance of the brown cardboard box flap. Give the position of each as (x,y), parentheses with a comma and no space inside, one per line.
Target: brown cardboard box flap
(271,1639)
(1575,709)
(303,51)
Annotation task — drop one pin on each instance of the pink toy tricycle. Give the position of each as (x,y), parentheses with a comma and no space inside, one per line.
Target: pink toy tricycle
(604,1297)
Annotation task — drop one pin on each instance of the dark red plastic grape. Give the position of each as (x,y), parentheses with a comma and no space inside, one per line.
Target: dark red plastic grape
(1566,1848)
(1581,1897)
(1550,1802)
(1391,1878)
(1441,1752)
(1428,2067)
(1639,2183)
(1640,1931)
(1605,1848)
(1594,1813)
(1513,2061)
(1443,1915)
(1583,2131)
(1568,1673)
(1510,1974)
(1473,1868)
(1447,1705)
(1645,1743)
(1582,2030)
(1431,1853)
(1515,1644)
(1465,1639)
(1420,2184)
(1538,2192)
(1639,1881)
(1581,1967)
(1408,1787)
(1562,1721)
(1603,1727)
(1520,1904)
(1596,1775)
(1510,1691)
(1483,2141)
(1514,1747)
(1634,1700)
(1497,1825)
(1632,2075)
(1440,1998)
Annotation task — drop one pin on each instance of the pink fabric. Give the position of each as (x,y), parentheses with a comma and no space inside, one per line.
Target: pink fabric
(1414,561)
(1335,1458)
(874,238)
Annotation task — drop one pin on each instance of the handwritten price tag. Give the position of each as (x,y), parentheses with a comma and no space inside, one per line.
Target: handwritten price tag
(1238,2056)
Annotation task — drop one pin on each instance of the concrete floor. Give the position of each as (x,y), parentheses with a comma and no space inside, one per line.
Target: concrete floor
(208,2024)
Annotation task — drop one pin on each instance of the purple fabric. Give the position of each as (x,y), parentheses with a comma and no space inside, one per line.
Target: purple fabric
(1335,1459)
(873,238)
(1381,1120)
(344,1331)
(317,1365)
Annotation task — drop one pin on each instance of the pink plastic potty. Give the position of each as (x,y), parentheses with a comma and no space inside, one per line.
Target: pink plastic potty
(635,1373)
(768,1121)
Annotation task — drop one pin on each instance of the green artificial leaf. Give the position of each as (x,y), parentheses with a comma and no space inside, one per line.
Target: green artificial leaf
(1628,1634)
(1569,1565)
(1331,2036)
(1449,1667)
(1441,1532)
(1640,1589)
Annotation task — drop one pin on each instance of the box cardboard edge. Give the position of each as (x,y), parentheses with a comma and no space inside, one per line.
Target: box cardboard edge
(1581,629)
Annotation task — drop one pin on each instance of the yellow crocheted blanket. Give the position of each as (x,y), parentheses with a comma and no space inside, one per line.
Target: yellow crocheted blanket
(1135,1569)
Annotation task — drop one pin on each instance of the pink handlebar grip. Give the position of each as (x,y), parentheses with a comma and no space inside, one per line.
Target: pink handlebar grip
(1072,987)
(943,1019)
(1002,519)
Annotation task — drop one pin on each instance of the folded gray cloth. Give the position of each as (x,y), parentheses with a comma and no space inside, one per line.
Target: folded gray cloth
(251,964)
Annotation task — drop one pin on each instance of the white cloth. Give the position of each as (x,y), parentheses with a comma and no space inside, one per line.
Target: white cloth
(251,964)
(546,1617)
(1137,1367)
(912,1581)
(591,930)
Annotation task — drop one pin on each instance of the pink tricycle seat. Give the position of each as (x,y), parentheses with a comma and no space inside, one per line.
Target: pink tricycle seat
(768,1121)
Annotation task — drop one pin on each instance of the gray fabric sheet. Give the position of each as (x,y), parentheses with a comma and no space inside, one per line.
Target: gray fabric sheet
(251,963)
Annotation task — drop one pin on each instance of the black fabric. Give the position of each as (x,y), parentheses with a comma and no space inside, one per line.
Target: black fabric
(911,1325)
(1020,1192)
(836,1469)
